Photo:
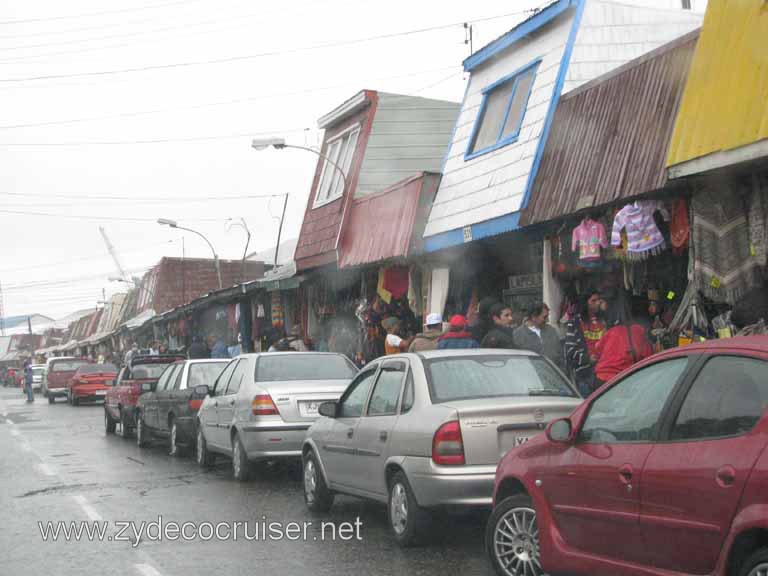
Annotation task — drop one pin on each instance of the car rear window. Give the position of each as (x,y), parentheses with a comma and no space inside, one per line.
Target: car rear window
(297,366)
(68,365)
(96,368)
(204,373)
(146,371)
(467,377)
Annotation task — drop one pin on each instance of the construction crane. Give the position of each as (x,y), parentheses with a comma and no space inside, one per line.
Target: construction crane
(111,249)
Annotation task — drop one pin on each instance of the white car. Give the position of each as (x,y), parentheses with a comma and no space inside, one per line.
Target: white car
(38,375)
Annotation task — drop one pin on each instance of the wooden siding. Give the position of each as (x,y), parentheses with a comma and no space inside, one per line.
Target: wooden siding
(609,138)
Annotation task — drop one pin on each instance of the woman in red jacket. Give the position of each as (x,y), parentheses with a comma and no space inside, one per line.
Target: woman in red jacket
(623,345)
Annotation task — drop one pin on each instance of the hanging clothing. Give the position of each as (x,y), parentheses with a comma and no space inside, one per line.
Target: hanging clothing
(396,281)
(590,239)
(758,217)
(680,229)
(383,293)
(643,236)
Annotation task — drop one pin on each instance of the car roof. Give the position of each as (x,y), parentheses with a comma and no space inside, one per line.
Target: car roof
(207,360)
(756,343)
(462,352)
(291,353)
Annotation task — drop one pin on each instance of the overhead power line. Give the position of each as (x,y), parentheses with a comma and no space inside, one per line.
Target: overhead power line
(146,141)
(99,13)
(142,199)
(270,53)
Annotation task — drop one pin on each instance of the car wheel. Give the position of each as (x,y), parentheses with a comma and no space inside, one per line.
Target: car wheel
(141,431)
(109,424)
(204,458)
(408,521)
(241,468)
(173,448)
(51,399)
(75,400)
(317,496)
(45,392)
(756,564)
(125,424)
(512,537)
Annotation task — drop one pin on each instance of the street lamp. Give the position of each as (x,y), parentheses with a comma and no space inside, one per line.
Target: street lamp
(174,224)
(279,144)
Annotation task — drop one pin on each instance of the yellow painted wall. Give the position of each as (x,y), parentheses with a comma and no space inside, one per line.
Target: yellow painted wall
(725,104)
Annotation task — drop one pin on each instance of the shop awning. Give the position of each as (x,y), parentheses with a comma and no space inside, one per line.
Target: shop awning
(140,320)
(388,224)
(283,278)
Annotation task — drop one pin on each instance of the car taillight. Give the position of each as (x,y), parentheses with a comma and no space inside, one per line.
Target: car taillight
(195,404)
(448,445)
(262,405)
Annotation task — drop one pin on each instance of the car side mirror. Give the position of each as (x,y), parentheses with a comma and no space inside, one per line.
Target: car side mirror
(560,431)
(147,387)
(201,390)
(327,409)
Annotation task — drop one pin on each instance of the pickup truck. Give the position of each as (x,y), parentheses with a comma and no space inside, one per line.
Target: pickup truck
(121,399)
(58,372)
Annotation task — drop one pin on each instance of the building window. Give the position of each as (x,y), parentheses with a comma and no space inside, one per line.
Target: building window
(502,111)
(341,151)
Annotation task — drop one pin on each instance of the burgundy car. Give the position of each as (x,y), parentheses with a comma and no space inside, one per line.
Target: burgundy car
(663,471)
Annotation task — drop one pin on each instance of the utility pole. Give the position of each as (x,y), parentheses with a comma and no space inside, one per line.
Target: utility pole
(29,324)
(2,312)
(280,230)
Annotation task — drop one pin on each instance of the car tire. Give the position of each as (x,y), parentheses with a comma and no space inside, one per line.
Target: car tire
(317,496)
(125,425)
(173,431)
(241,467)
(409,522)
(141,431)
(205,459)
(755,564)
(501,538)
(109,425)
(51,399)
(75,400)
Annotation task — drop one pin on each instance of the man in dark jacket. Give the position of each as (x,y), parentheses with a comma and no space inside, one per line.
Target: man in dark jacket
(582,335)
(457,337)
(198,349)
(538,336)
(502,333)
(483,323)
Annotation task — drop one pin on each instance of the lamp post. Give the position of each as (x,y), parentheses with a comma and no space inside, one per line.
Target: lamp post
(279,144)
(244,226)
(174,224)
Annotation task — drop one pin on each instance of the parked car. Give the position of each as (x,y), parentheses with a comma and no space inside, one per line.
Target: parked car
(38,373)
(169,407)
(58,372)
(262,405)
(90,382)
(425,431)
(664,470)
(121,398)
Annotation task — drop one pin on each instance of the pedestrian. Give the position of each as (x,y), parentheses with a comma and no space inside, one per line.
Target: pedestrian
(28,380)
(393,342)
(198,349)
(218,347)
(582,335)
(162,348)
(457,336)
(154,348)
(131,353)
(427,340)
(295,341)
(538,336)
(624,344)
(502,335)
(484,323)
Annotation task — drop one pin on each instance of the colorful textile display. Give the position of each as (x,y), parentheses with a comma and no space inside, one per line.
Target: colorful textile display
(383,293)
(396,281)
(724,266)
(758,216)
(589,238)
(680,229)
(643,236)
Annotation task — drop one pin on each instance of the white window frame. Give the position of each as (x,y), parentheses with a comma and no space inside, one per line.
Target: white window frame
(336,185)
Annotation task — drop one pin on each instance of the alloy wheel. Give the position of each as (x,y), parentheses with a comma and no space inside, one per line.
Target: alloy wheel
(759,570)
(516,543)
(399,508)
(200,447)
(310,480)
(173,448)
(236,458)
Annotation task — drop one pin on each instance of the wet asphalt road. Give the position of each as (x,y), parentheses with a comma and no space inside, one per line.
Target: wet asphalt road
(57,464)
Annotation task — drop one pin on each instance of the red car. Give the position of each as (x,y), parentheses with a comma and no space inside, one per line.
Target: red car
(662,471)
(91,382)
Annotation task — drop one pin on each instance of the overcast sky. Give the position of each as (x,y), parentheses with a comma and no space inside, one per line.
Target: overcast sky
(271,78)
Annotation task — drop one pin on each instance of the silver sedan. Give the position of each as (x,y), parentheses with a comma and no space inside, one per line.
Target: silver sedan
(426,431)
(262,405)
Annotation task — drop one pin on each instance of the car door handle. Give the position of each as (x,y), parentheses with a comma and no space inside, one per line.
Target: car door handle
(383,435)
(232,402)
(350,431)
(625,474)
(725,476)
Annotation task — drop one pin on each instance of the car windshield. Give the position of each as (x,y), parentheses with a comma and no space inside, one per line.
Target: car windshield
(38,370)
(204,373)
(466,377)
(68,365)
(147,371)
(97,368)
(297,366)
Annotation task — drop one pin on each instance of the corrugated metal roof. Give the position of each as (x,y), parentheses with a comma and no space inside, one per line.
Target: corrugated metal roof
(724,104)
(382,226)
(609,137)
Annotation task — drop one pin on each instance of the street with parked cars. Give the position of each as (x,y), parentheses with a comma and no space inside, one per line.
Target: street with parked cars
(661,471)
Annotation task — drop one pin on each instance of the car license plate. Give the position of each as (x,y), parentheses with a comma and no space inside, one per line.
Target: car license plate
(309,408)
(520,440)
(101,392)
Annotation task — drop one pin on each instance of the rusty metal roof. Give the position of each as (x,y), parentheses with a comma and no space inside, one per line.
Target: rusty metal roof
(609,137)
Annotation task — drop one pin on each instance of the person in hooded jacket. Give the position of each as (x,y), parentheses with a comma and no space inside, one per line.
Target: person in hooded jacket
(502,333)
(457,337)
(427,340)
(484,323)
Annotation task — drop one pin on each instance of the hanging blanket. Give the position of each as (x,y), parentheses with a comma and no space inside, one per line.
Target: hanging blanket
(725,266)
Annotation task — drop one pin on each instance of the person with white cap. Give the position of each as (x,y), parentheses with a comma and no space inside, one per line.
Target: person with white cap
(427,340)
